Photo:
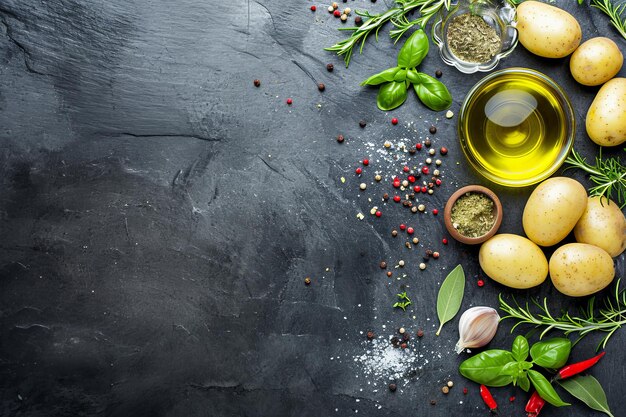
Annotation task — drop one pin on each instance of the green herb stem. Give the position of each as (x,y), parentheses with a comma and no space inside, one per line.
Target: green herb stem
(607,320)
(396,15)
(609,175)
(614,12)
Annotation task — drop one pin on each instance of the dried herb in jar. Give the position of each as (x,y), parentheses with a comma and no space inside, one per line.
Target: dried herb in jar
(471,39)
(472,214)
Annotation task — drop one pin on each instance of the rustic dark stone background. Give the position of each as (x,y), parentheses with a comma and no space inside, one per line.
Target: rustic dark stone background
(159,214)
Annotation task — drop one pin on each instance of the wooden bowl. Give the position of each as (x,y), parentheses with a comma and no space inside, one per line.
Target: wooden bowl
(497,212)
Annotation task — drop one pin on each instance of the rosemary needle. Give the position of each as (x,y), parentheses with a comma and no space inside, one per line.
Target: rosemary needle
(396,15)
(609,175)
(614,12)
(607,320)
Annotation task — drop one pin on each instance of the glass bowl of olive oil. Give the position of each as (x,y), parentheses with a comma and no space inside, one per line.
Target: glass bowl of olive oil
(516,127)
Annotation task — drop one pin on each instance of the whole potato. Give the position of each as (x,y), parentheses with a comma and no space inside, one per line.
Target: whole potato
(596,61)
(513,261)
(553,209)
(606,118)
(602,224)
(546,30)
(579,269)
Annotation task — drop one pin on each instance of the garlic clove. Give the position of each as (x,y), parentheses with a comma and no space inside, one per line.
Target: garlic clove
(477,327)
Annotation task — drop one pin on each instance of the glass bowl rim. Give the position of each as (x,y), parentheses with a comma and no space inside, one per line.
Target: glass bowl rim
(570,119)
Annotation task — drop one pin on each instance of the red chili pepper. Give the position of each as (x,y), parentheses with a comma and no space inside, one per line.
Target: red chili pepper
(576,368)
(488,399)
(534,405)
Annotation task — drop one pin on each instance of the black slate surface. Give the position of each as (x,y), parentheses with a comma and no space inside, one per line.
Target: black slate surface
(159,215)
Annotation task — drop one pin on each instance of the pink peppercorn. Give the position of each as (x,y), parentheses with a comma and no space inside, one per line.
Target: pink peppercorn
(424,189)
(394,121)
(337,13)
(411,179)
(444,241)
(425,170)
(289,101)
(379,213)
(402,226)
(410,230)
(406,169)
(396,184)
(480,283)
(465,391)
(358,171)
(417,189)
(418,146)
(438,182)
(366,162)
(435,212)
(396,198)
(313,8)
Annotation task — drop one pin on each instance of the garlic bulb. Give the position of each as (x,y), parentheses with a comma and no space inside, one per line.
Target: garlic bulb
(477,327)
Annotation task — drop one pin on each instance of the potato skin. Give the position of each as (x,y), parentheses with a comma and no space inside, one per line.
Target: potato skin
(602,224)
(553,209)
(513,261)
(606,118)
(546,30)
(596,61)
(579,269)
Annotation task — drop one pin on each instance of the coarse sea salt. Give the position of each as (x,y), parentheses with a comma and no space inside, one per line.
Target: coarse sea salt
(383,362)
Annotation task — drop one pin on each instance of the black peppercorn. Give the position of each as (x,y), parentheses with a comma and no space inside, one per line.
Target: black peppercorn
(330,67)
(433,130)
(406,337)
(362,123)
(392,387)
(358,21)
(257,83)
(412,151)
(420,333)
(433,402)
(385,196)
(383,265)
(438,73)
(395,341)
(428,142)
(340,138)
(370,335)
(321,87)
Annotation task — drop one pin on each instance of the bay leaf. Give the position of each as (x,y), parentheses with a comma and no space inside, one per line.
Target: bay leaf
(588,390)
(450,296)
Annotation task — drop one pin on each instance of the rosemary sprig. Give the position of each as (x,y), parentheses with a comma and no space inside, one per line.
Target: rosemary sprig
(609,175)
(607,320)
(396,15)
(615,13)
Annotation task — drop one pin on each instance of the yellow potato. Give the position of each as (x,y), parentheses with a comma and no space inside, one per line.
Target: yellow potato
(579,269)
(606,118)
(546,30)
(602,224)
(513,261)
(553,209)
(596,61)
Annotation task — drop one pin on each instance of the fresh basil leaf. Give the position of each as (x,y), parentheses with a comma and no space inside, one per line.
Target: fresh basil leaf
(512,369)
(431,92)
(382,77)
(588,390)
(412,76)
(545,389)
(391,95)
(400,76)
(520,348)
(486,368)
(523,382)
(414,50)
(450,296)
(552,353)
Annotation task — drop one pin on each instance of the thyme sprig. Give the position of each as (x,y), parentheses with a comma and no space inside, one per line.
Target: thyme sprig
(615,12)
(609,175)
(606,320)
(398,16)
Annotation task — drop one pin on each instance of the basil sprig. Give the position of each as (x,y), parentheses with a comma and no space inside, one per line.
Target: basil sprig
(395,82)
(497,368)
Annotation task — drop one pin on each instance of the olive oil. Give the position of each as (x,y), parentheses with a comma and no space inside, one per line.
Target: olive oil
(515,129)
